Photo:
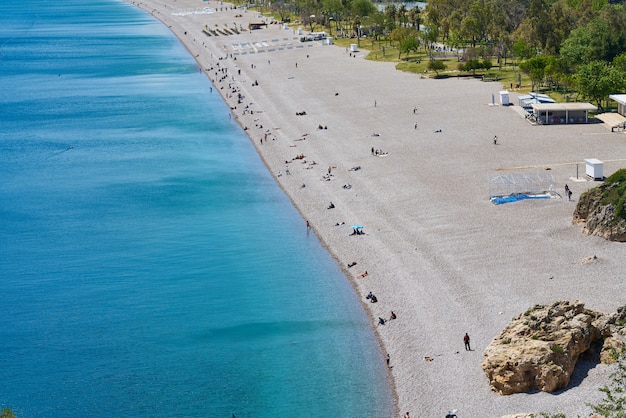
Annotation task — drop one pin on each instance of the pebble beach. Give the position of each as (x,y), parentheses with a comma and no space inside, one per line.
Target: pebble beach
(410,159)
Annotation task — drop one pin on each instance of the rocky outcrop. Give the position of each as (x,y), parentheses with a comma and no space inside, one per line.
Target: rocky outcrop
(539,349)
(600,218)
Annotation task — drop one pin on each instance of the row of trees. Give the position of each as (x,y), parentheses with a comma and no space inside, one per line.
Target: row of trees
(567,44)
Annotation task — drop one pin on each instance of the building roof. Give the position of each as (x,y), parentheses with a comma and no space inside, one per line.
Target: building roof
(574,106)
(620,98)
(543,98)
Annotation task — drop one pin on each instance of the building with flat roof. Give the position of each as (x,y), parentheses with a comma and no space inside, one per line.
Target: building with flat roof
(621,103)
(561,113)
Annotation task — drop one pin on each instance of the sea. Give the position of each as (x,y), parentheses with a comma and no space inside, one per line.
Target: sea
(150,266)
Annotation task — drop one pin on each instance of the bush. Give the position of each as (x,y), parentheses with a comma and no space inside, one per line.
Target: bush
(436,66)
(615,192)
(557,349)
(614,403)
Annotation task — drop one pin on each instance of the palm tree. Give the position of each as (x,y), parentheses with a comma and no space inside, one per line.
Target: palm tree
(402,14)
(415,17)
(392,13)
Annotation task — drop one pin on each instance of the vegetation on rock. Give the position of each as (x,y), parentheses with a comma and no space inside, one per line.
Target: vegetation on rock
(602,209)
(614,192)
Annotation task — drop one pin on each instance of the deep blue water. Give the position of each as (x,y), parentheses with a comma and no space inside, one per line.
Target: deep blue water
(149,264)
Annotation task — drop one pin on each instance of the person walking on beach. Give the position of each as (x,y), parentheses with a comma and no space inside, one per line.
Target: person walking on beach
(569,194)
(466,341)
(388,360)
(566,189)
(495,140)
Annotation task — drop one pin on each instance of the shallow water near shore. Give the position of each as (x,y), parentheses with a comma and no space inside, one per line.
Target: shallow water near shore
(150,265)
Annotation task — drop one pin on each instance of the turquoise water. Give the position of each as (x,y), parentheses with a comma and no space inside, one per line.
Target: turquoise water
(149,264)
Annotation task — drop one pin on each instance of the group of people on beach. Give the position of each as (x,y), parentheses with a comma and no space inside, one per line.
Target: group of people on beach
(568,192)
(383,321)
(377,152)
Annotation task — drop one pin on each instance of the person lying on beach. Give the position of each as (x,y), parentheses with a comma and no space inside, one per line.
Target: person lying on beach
(360,276)
(355,168)
(331,206)
(342,223)
(352,264)
(381,321)
(393,316)
(347,186)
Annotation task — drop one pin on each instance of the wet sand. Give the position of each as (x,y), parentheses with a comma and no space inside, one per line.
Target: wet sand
(437,252)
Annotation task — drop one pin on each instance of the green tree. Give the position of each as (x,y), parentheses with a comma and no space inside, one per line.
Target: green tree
(409,44)
(406,38)
(564,19)
(436,66)
(391,12)
(362,8)
(582,45)
(603,38)
(620,62)
(283,8)
(455,41)
(334,9)
(522,50)
(430,36)
(540,23)
(536,68)
(596,80)
(478,21)
(415,17)
(403,15)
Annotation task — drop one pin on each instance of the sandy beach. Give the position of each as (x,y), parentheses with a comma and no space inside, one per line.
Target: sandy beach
(437,252)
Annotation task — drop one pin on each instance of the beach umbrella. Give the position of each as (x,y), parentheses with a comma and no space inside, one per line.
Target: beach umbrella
(357,226)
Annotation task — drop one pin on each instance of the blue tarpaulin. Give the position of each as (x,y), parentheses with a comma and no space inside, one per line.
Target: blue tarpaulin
(499,200)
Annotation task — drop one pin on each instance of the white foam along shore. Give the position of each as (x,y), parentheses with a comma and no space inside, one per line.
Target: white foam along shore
(437,252)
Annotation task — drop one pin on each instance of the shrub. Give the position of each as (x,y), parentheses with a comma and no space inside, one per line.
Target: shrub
(614,403)
(557,349)
(436,66)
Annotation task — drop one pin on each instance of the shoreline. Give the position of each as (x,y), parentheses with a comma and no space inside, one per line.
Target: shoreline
(437,252)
